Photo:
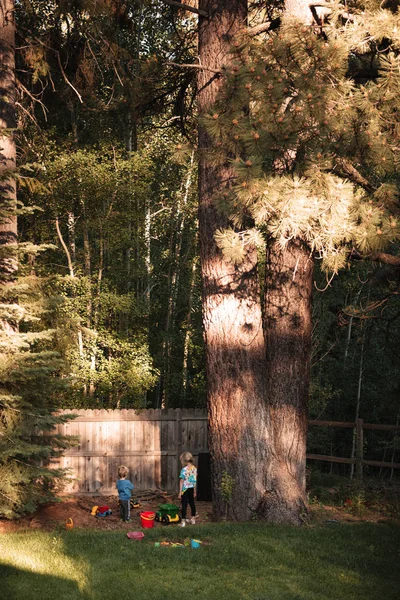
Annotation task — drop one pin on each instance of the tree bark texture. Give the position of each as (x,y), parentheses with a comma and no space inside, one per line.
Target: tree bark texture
(287,326)
(8,218)
(235,349)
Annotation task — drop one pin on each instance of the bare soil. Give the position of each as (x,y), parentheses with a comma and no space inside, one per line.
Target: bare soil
(78,508)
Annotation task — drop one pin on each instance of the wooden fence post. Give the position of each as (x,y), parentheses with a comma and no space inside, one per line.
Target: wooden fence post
(359,448)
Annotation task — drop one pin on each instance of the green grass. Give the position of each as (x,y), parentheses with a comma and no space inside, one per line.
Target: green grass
(249,561)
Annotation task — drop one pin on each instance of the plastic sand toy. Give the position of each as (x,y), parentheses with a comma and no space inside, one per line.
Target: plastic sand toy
(135,535)
(168,513)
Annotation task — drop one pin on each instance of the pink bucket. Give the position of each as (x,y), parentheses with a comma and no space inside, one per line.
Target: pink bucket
(135,535)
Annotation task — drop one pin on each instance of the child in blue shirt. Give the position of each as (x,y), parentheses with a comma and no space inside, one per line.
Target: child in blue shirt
(124,487)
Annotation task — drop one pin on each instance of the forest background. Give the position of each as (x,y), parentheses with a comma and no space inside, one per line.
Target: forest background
(109,280)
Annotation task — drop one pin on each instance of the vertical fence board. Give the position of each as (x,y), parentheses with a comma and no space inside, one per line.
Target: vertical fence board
(149,442)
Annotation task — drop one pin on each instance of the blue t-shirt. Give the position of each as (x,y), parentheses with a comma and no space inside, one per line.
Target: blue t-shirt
(124,487)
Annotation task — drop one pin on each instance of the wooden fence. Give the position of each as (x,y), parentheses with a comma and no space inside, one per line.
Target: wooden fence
(150,442)
(359,461)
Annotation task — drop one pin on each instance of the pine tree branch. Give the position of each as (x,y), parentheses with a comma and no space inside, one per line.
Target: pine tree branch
(343,167)
(64,245)
(327,6)
(8,498)
(67,81)
(383,257)
(34,99)
(192,9)
(193,66)
(264,27)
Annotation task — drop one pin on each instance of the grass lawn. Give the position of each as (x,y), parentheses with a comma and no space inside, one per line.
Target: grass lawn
(249,561)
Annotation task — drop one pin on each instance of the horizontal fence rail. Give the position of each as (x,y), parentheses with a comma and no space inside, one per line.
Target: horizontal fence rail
(358,460)
(150,443)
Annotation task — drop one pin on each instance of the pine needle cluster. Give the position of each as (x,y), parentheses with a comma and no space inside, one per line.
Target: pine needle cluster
(309,118)
(29,386)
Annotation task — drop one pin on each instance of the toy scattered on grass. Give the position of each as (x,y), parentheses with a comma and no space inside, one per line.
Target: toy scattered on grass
(135,535)
(168,513)
(69,524)
(101,511)
(147,519)
(169,544)
(186,544)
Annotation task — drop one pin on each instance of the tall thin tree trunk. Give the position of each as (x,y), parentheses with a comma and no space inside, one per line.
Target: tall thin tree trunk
(288,287)
(66,249)
(147,256)
(88,268)
(188,330)
(8,196)
(396,436)
(349,330)
(71,236)
(181,228)
(358,402)
(71,274)
(174,271)
(234,341)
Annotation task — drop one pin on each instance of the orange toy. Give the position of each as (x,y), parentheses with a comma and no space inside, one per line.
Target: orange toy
(69,524)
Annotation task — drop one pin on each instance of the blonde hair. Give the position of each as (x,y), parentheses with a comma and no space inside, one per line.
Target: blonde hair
(186,457)
(122,471)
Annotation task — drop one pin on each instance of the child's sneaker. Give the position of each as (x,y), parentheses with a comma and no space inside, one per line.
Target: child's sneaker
(193,521)
(183,523)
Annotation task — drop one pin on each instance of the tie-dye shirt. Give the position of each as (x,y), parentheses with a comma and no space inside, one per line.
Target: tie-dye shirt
(189,476)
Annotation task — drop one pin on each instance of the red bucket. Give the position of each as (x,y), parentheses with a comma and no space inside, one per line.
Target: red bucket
(147,519)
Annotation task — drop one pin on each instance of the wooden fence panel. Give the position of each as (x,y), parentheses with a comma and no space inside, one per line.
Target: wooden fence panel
(148,442)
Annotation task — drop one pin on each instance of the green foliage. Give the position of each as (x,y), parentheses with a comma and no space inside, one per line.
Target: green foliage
(227,486)
(314,150)
(355,497)
(127,221)
(30,384)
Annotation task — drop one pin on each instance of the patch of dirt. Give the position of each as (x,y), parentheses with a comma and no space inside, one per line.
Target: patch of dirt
(78,508)
(339,514)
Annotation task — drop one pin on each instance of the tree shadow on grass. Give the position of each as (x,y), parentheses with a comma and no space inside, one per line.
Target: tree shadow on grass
(20,584)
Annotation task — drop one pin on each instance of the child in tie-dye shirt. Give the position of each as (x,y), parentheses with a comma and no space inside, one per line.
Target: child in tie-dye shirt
(187,487)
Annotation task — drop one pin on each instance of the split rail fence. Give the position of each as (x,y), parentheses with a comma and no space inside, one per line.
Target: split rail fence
(358,459)
(150,442)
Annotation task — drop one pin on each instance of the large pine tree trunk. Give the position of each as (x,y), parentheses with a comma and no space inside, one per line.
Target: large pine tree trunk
(235,350)
(8,218)
(287,329)
(287,325)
